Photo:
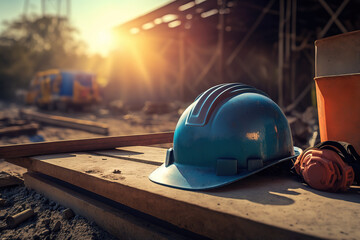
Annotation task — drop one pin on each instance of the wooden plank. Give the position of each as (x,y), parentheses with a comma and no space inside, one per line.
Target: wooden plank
(80,124)
(32,149)
(113,219)
(259,207)
(14,131)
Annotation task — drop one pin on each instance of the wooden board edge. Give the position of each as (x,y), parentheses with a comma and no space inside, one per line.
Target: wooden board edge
(24,162)
(117,222)
(89,144)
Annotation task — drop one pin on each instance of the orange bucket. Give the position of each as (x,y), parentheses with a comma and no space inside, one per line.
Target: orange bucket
(338,99)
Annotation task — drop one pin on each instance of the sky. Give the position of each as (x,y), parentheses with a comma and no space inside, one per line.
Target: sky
(93,18)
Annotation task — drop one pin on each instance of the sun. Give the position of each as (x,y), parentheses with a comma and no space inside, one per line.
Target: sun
(104,38)
(103,41)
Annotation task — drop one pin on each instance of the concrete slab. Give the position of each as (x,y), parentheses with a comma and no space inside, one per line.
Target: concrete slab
(254,208)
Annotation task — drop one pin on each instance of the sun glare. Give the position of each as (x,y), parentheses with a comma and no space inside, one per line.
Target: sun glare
(103,41)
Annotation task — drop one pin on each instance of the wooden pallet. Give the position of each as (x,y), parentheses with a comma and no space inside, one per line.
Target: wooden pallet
(259,207)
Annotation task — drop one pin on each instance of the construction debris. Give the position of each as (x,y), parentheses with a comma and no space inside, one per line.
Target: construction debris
(13,221)
(14,131)
(14,127)
(310,116)
(56,226)
(7,180)
(304,127)
(118,107)
(6,122)
(157,107)
(135,119)
(41,225)
(68,214)
(3,202)
(85,125)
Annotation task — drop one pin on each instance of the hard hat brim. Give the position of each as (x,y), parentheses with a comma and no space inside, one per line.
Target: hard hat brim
(198,178)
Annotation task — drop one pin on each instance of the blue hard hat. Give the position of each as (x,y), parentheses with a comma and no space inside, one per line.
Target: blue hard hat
(230,132)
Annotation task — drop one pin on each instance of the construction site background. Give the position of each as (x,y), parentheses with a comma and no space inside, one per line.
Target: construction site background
(186,50)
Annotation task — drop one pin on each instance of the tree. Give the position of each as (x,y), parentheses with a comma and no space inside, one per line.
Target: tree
(28,45)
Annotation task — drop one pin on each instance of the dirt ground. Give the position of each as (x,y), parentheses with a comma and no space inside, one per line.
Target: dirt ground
(48,214)
(49,221)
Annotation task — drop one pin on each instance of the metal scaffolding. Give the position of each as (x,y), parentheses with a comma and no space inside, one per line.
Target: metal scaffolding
(196,44)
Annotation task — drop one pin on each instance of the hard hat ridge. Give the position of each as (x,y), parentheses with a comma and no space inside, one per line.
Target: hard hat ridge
(206,102)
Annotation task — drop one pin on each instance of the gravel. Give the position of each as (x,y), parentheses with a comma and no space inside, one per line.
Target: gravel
(49,221)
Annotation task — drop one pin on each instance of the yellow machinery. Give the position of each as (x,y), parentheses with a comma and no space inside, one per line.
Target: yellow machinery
(61,89)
